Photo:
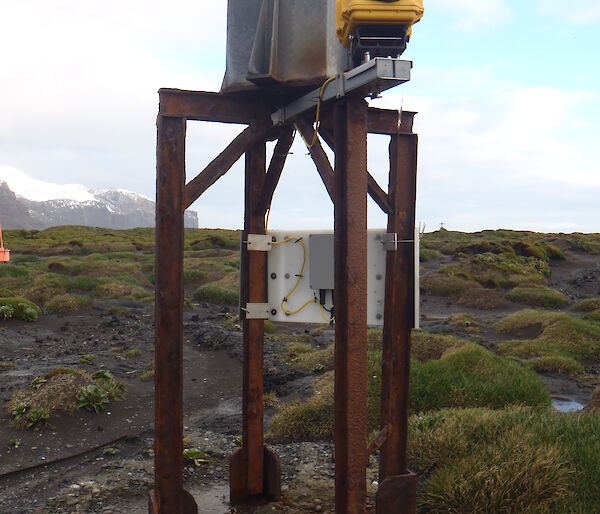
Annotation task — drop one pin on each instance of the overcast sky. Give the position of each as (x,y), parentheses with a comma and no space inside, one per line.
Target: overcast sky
(507,92)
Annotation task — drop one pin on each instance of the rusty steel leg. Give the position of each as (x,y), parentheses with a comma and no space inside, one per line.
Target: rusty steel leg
(168,496)
(397,492)
(254,469)
(350,305)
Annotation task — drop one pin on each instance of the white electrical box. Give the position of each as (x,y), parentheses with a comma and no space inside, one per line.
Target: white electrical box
(301,275)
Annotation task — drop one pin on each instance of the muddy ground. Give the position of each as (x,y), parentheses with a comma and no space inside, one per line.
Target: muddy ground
(102,463)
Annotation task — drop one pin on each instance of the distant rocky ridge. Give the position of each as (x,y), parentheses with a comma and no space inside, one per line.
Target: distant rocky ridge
(110,208)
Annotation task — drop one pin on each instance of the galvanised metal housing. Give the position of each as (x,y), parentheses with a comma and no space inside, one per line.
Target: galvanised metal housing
(281,43)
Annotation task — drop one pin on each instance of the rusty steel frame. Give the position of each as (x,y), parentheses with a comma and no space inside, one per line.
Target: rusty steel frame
(350,246)
(254,468)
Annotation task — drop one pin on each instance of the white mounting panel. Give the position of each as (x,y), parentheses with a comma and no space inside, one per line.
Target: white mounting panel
(284,262)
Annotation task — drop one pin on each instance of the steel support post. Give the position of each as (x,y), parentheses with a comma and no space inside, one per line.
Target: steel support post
(168,496)
(397,492)
(350,213)
(254,469)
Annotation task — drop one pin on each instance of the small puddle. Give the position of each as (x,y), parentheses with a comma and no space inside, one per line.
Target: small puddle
(566,405)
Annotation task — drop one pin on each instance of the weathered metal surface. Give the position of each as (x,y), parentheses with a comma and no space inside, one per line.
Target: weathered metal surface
(318,156)
(398,315)
(168,364)
(288,43)
(350,215)
(247,466)
(280,153)
(397,495)
(368,79)
(215,107)
(226,159)
(380,121)
(375,192)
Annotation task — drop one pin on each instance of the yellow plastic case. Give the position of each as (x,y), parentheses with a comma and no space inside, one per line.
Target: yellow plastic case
(353,13)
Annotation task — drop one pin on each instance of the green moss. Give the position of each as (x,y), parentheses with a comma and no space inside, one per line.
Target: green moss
(538,296)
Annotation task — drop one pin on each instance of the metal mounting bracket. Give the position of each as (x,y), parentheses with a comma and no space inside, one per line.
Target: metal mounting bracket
(389,242)
(259,243)
(370,78)
(257,310)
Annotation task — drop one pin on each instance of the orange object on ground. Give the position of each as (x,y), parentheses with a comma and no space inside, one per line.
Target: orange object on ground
(4,252)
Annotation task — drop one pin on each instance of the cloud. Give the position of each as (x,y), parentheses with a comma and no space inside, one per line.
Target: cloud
(472,15)
(513,157)
(79,83)
(582,12)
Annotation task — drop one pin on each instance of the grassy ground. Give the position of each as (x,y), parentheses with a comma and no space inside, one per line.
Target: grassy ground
(445,372)
(483,437)
(490,269)
(65,269)
(518,459)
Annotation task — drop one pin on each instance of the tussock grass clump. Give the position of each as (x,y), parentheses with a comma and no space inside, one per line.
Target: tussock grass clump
(587,305)
(68,303)
(442,285)
(538,296)
(214,293)
(473,377)
(589,243)
(483,299)
(426,346)
(318,360)
(556,364)
(61,389)
(193,275)
(463,321)
(465,375)
(593,316)
(550,334)
(58,392)
(518,459)
(21,308)
(428,254)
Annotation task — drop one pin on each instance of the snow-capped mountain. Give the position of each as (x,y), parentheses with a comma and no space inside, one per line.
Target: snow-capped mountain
(31,204)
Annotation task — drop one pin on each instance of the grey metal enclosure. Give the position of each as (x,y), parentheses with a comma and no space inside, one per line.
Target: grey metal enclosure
(281,42)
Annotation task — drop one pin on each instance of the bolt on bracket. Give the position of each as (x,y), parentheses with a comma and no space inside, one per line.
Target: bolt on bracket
(259,243)
(257,310)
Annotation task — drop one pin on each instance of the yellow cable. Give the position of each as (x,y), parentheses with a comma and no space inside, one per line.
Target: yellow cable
(321,93)
(299,277)
(267,220)
(291,313)
(328,320)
